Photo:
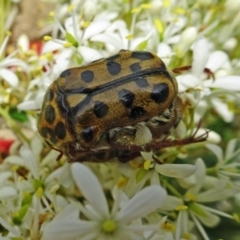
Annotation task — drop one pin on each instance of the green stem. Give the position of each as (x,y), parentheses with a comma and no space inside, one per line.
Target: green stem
(211,170)
(172,189)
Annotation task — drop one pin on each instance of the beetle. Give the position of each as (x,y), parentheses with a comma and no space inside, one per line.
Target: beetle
(112,107)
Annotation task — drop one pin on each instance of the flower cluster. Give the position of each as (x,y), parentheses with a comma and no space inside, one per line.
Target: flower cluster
(178,192)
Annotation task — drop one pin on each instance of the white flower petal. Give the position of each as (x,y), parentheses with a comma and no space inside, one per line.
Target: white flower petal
(176,170)
(39,100)
(216,150)
(222,109)
(217,194)
(231,83)
(212,136)
(27,105)
(67,225)
(230,152)
(199,175)
(6,192)
(62,61)
(187,182)
(89,185)
(16,160)
(182,225)
(51,46)
(165,52)
(10,228)
(4,176)
(187,81)
(12,62)
(95,28)
(210,220)
(135,42)
(89,54)
(23,42)
(10,77)
(36,145)
(107,39)
(63,174)
(142,203)
(216,60)
(29,160)
(187,38)
(171,203)
(200,56)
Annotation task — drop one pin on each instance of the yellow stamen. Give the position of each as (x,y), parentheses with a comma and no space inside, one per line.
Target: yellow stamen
(236,217)
(70,7)
(49,56)
(67,44)
(190,197)
(168,227)
(8,33)
(47,38)
(146,5)
(121,182)
(39,192)
(166,3)
(54,188)
(159,25)
(136,10)
(14,168)
(179,10)
(129,37)
(85,24)
(186,236)
(51,14)
(147,164)
(181,207)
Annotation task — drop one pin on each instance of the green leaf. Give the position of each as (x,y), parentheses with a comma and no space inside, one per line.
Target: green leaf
(27,200)
(142,45)
(140,175)
(70,38)
(18,115)
(197,209)
(38,183)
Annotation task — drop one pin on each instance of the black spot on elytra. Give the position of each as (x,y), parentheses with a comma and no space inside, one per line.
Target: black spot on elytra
(135,67)
(113,67)
(46,131)
(60,130)
(142,55)
(50,114)
(100,109)
(65,73)
(87,134)
(137,112)
(87,76)
(126,97)
(141,82)
(49,95)
(160,92)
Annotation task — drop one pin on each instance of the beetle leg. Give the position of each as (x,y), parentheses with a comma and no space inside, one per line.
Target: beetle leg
(157,145)
(209,73)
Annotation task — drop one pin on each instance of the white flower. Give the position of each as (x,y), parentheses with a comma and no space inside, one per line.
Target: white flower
(122,222)
(226,166)
(195,198)
(204,95)
(8,64)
